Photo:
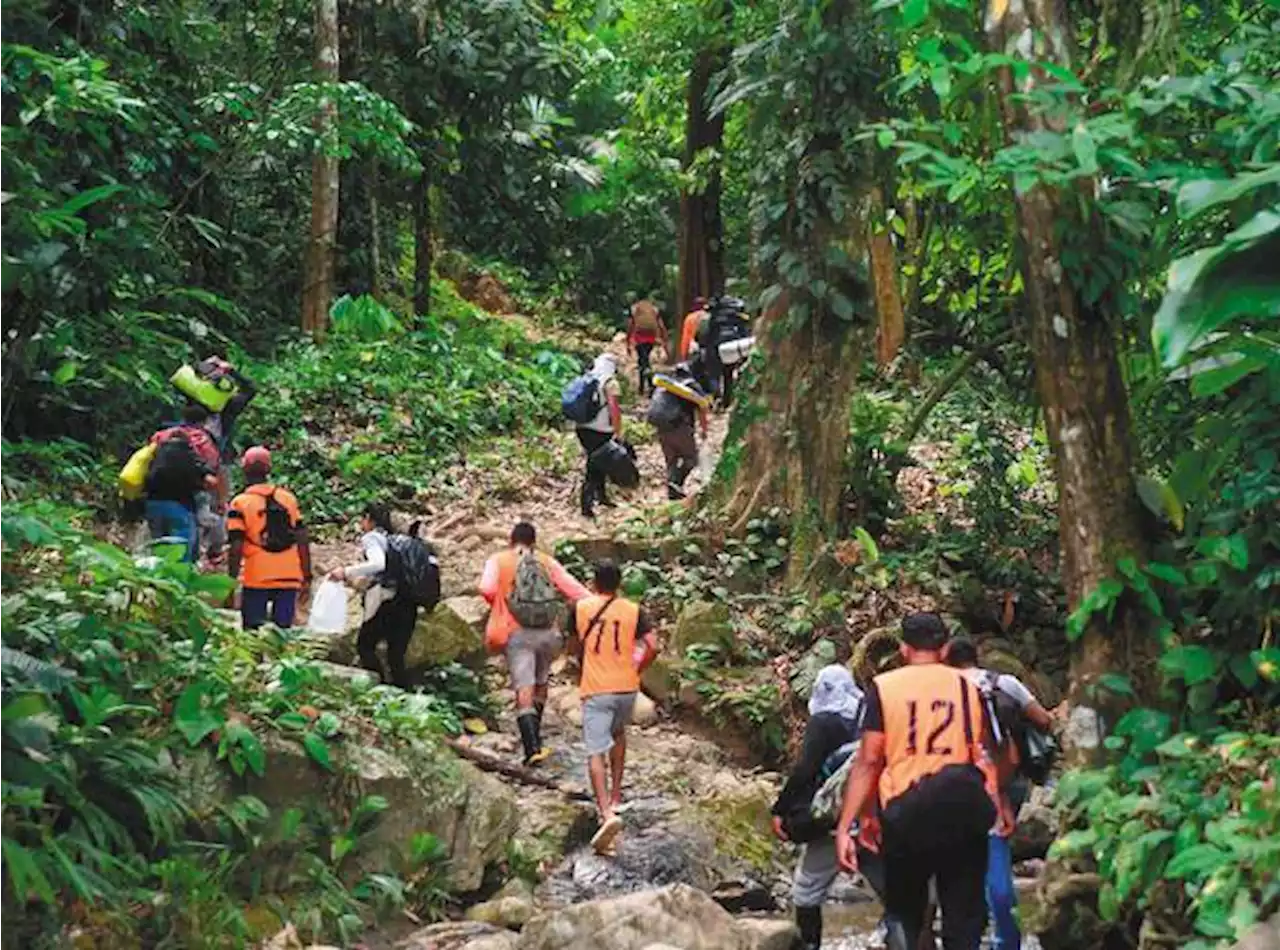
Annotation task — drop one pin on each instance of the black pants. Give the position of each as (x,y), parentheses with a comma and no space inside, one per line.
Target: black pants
(680,449)
(393,623)
(643,353)
(960,870)
(594,478)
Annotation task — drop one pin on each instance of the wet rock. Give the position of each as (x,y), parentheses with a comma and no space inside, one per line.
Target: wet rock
(739,897)
(762,934)
(1037,826)
(452,633)
(805,672)
(509,912)
(701,622)
(659,679)
(678,915)
(427,790)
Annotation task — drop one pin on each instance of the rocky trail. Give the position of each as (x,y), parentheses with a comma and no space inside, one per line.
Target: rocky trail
(696,867)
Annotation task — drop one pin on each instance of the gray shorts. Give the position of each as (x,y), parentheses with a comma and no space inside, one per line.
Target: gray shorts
(605,716)
(815,872)
(529,656)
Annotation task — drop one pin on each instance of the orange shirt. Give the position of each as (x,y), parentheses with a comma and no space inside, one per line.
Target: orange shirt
(689,330)
(922,710)
(499,579)
(608,645)
(272,570)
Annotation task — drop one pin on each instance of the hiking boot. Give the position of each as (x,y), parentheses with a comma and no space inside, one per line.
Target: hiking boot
(527,723)
(809,923)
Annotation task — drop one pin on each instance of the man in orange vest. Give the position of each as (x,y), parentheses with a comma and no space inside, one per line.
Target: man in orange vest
(609,628)
(926,762)
(529,651)
(689,329)
(269,538)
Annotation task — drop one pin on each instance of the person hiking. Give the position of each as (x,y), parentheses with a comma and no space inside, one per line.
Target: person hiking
(672,415)
(221,426)
(185,464)
(524,588)
(607,629)
(962,654)
(389,615)
(689,327)
(927,759)
(269,544)
(835,718)
(606,424)
(644,330)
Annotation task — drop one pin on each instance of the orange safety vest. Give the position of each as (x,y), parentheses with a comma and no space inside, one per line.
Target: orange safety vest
(263,569)
(690,330)
(923,711)
(608,644)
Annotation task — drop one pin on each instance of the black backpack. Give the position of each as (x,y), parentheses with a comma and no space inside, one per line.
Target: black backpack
(176,471)
(1037,750)
(278,531)
(665,411)
(413,569)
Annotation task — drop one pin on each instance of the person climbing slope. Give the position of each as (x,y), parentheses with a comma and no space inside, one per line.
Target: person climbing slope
(677,401)
(269,541)
(644,330)
(389,615)
(606,424)
(607,628)
(184,465)
(689,327)
(927,751)
(835,718)
(1002,899)
(525,589)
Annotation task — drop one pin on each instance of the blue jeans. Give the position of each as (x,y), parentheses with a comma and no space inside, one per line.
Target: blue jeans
(254,602)
(1001,897)
(173,519)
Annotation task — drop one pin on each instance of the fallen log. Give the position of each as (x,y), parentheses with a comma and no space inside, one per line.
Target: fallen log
(489,762)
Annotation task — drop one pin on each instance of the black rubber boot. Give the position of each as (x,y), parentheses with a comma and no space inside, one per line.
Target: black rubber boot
(538,710)
(527,721)
(809,922)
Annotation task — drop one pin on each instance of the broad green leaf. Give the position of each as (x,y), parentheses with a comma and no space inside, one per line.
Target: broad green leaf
(1199,860)
(1085,149)
(193,717)
(317,749)
(1160,499)
(1167,573)
(66,372)
(914,12)
(1213,381)
(1204,193)
(91,196)
(1192,664)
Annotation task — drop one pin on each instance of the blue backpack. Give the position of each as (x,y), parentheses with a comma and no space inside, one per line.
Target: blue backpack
(580,400)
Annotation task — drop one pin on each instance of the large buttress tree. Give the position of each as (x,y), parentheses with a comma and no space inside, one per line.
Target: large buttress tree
(701,222)
(1082,392)
(317,289)
(820,74)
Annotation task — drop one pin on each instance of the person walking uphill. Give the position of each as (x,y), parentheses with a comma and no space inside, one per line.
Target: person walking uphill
(524,588)
(389,614)
(269,541)
(644,330)
(835,717)
(671,413)
(185,464)
(926,754)
(607,629)
(606,424)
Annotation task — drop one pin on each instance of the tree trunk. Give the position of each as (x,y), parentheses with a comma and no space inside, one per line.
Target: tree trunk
(891,329)
(317,291)
(422,237)
(701,226)
(375,229)
(1081,390)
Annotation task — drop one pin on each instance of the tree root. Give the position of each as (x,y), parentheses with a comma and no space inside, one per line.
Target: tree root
(489,762)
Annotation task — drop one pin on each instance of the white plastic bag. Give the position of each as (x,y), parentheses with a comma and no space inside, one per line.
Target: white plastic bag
(329,608)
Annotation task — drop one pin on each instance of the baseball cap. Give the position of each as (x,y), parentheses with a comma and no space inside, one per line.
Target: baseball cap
(256,456)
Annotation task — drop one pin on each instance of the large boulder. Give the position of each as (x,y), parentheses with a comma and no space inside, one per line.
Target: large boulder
(427,790)
(452,633)
(511,907)
(1037,826)
(678,915)
(702,622)
(768,934)
(459,935)
(660,679)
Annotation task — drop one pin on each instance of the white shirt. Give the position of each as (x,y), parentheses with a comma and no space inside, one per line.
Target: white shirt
(602,421)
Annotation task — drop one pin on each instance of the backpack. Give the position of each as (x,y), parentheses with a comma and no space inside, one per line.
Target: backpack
(665,411)
(413,568)
(829,797)
(534,600)
(177,470)
(645,316)
(580,399)
(278,531)
(1037,750)
(617,460)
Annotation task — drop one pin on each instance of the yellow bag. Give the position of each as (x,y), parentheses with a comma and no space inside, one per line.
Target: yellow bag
(213,394)
(133,477)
